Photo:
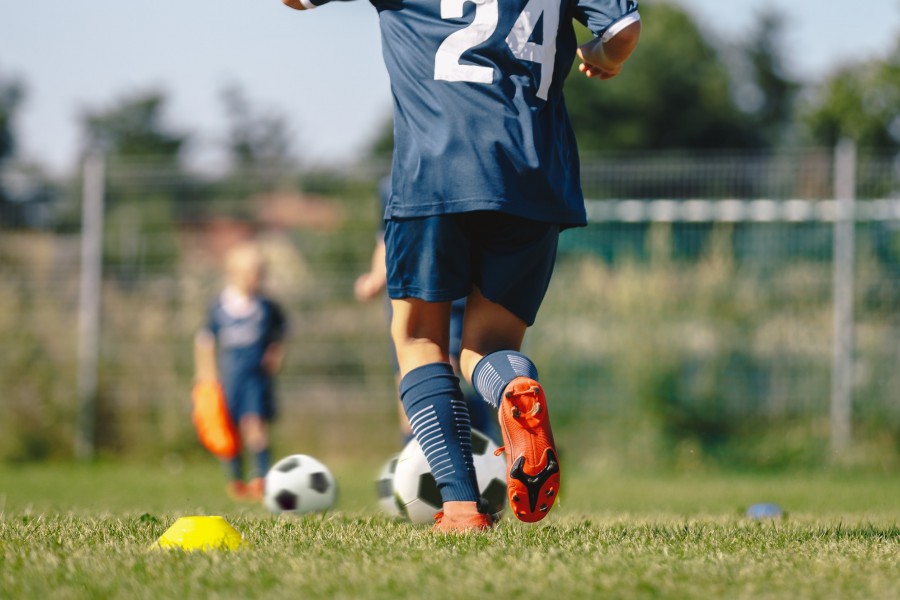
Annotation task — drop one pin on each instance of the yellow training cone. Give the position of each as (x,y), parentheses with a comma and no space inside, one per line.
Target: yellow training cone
(200,533)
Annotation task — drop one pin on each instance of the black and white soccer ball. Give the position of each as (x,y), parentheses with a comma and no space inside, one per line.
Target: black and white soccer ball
(416,494)
(384,486)
(299,484)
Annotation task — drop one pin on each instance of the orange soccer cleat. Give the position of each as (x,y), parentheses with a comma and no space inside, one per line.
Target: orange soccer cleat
(256,489)
(238,491)
(532,463)
(444,523)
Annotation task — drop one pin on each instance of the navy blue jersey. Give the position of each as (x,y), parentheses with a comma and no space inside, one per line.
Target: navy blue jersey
(479,117)
(243,332)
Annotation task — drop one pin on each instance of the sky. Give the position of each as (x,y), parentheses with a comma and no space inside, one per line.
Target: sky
(322,69)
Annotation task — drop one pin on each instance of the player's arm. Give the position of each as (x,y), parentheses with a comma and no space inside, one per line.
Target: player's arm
(604,56)
(205,368)
(368,285)
(273,356)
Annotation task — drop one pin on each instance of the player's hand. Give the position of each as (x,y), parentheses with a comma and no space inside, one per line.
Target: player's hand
(604,59)
(273,358)
(597,71)
(295,4)
(367,286)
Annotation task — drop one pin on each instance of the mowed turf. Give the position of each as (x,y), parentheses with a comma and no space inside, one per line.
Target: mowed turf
(76,531)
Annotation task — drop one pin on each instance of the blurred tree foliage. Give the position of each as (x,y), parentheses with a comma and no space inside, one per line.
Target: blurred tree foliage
(767,92)
(12,92)
(860,101)
(256,138)
(147,188)
(382,148)
(133,129)
(259,146)
(678,91)
(11,95)
(26,193)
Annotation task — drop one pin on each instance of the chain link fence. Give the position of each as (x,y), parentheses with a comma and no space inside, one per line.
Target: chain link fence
(694,317)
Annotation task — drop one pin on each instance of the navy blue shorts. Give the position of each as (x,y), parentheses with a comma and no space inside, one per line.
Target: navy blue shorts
(249,394)
(440,258)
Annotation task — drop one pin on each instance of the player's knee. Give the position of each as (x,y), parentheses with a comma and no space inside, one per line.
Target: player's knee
(257,441)
(254,433)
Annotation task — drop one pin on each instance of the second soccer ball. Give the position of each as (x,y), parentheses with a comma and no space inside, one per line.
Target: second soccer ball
(415,490)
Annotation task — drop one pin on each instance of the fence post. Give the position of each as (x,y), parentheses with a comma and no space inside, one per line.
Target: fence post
(89,303)
(844,256)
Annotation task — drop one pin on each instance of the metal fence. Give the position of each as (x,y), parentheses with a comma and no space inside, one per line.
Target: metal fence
(736,296)
(711,298)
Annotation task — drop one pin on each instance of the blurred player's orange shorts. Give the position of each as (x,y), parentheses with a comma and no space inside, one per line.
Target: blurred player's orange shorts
(214,426)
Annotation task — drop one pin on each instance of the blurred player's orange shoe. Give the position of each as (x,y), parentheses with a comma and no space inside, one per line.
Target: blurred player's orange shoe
(256,489)
(532,463)
(444,523)
(238,490)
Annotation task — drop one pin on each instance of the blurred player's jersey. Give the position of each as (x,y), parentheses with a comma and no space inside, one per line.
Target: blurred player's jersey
(479,117)
(244,329)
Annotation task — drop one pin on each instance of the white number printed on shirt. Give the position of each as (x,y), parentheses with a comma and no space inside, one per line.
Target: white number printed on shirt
(482,27)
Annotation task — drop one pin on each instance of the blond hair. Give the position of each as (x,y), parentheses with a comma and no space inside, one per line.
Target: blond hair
(243,258)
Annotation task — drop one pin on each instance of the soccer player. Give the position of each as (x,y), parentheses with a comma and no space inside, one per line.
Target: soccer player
(369,286)
(485,175)
(242,347)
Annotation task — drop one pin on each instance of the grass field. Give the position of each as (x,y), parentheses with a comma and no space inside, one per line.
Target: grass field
(82,531)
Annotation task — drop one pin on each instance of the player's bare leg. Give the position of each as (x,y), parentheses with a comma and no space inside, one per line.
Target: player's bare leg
(487,327)
(421,332)
(255,433)
(532,460)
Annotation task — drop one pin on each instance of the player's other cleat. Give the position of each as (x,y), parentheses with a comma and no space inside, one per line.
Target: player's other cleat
(532,478)
(238,491)
(256,489)
(475,522)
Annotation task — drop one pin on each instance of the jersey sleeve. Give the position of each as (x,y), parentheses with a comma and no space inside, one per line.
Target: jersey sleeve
(277,329)
(212,322)
(606,18)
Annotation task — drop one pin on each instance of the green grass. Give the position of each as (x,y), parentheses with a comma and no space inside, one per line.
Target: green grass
(76,531)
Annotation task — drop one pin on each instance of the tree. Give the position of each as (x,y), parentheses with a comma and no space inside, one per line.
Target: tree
(382,147)
(768,94)
(12,92)
(256,139)
(674,93)
(133,130)
(147,187)
(860,101)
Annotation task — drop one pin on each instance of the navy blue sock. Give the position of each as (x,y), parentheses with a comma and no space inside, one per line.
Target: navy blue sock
(434,403)
(235,468)
(263,460)
(494,372)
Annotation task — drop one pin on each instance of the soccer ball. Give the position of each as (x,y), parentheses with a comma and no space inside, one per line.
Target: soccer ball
(299,484)
(385,487)
(416,493)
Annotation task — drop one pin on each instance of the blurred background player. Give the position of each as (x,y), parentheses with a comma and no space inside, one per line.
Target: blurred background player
(242,347)
(485,175)
(373,282)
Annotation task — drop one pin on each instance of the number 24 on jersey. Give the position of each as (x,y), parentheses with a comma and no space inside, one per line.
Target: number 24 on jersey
(487,15)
